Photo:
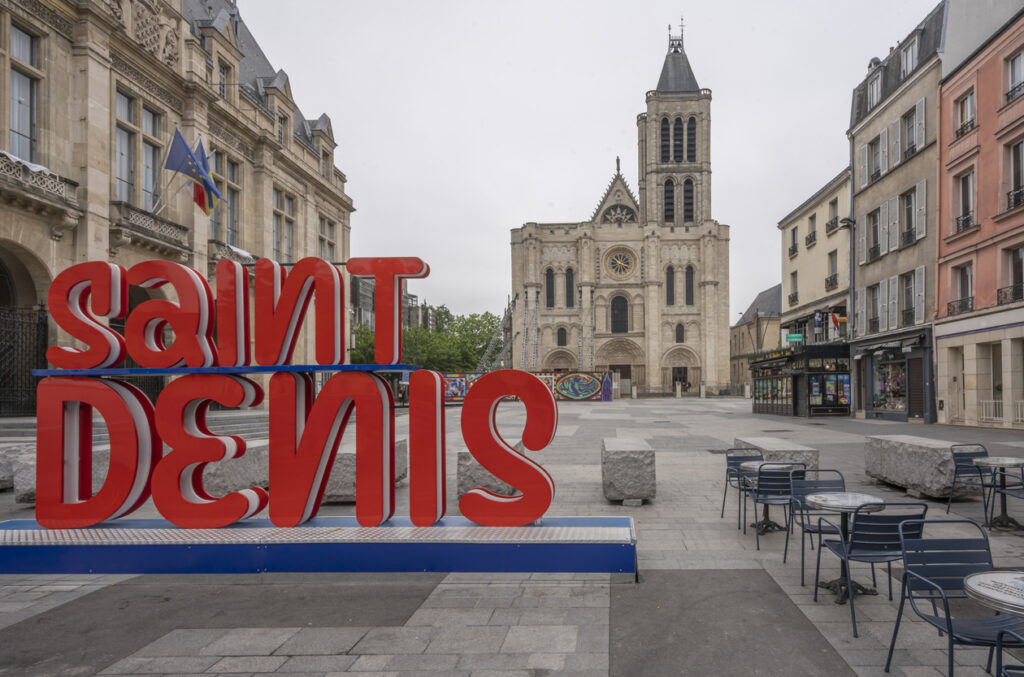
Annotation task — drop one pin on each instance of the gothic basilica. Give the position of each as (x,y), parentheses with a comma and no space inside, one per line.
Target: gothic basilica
(642,288)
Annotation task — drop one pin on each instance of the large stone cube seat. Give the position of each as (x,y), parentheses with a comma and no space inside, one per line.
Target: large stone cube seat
(627,470)
(778,449)
(921,465)
(471,475)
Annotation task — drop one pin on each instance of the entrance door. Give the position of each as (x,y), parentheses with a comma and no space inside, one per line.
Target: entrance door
(679,375)
(915,388)
(798,386)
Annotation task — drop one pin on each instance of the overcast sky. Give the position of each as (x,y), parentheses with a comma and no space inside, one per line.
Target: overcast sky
(457,121)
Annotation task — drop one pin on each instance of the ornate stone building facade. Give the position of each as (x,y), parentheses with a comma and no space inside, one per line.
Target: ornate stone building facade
(94,92)
(642,287)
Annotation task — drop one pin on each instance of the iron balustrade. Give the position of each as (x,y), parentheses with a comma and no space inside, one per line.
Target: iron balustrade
(793,298)
(909,237)
(1015,92)
(832,281)
(963,222)
(876,174)
(811,238)
(908,317)
(793,250)
(960,306)
(1015,198)
(872,325)
(874,252)
(965,127)
(911,149)
(1011,294)
(832,225)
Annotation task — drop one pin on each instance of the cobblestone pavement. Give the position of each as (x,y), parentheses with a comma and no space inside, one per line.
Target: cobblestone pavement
(708,602)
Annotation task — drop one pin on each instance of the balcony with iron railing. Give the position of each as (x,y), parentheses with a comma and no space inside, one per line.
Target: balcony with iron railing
(810,238)
(1011,294)
(875,175)
(911,149)
(1015,198)
(26,185)
(132,225)
(965,127)
(874,251)
(832,281)
(908,237)
(793,298)
(832,225)
(793,249)
(1015,92)
(960,306)
(907,317)
(872,325)
(963,222)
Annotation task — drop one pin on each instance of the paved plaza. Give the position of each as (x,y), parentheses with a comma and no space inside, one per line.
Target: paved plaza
(707,601)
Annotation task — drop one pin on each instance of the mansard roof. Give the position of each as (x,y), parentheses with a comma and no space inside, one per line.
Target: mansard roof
(676,74)
(767,304)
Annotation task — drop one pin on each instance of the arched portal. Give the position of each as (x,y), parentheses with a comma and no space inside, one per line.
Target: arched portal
(560,361)
(680,364)
(24,328)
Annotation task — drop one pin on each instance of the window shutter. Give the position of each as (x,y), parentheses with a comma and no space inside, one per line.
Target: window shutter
(919,124)
(883,228)
(883,306)
(859,318)
(921,215)
(883,148)
(862,165)
(897,153)
(894,287)
(894,224)
(919,295)
(862,241)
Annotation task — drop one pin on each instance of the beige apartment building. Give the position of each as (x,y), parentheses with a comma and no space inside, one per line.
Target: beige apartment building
(642,287)
(95,90)
(756,331)
(816,265)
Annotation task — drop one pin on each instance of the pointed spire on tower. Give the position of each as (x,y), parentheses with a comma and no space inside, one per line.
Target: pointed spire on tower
(676,75)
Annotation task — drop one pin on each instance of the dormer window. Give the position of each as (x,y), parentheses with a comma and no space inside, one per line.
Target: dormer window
(282,124)
(223,77)
(325,164)
(908,58)
(874,91)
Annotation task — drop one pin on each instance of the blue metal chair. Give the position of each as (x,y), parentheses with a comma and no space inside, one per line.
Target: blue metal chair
(804,482)
(735,478)
(772,487)
(1014,489)
(966,473)
(933,572)
(1016,639)
(874,538)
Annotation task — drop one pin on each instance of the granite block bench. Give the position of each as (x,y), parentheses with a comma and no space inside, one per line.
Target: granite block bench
(627,470)
(921,465)
(778,449)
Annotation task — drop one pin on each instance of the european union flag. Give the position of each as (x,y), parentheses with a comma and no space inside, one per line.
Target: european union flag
(181,159)
(200,195)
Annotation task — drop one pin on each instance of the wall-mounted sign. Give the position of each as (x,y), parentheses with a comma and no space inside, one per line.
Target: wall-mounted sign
(794,338)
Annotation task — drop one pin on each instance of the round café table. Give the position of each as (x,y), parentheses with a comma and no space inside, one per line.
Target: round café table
(1001,462)
(844,503)
(751,468)
(999,590)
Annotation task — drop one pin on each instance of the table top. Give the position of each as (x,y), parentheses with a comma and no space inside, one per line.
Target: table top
(999,462)
(840,501)
(753,466)
(999,590)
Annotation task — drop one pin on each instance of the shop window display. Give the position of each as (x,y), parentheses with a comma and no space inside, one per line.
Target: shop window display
(890,386)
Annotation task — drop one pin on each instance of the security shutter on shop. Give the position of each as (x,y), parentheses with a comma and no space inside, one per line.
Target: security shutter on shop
(915,389)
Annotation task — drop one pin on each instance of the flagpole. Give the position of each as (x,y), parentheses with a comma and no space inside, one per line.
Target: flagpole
(160,202)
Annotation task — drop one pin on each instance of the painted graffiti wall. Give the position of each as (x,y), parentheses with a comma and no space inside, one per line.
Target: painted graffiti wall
(576,385)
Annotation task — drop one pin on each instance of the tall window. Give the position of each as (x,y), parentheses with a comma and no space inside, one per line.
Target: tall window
(688,200)
(908,58)
(225,173)
(964,114)
(677,140)
(833,209)
(907,291)
(1016,268)
(967,197)
(909,204)
(873,308)
(124,148)
(326,240)
(833,262)
(284,226)
(670,201)
(549,288)
(872,235)
(232,203)
(223,76)
(325,164)
(1015,76)
(909,131)
(874,91)
(620,315)
(1016,175)
(680,334)
(691,140)
(562,337)
(964,276)
(812,223)
(689,285)
(24,79)
(570,289)
(670,286)
(664,139)
(150,157)
(282,128)
(874,159)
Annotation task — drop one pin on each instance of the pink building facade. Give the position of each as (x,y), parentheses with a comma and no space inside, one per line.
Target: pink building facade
(979,322)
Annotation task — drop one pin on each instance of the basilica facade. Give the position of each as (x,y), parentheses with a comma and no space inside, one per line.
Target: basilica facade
(642,287)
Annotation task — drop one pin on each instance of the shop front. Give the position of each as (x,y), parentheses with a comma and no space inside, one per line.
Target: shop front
(810,380)
(896,380)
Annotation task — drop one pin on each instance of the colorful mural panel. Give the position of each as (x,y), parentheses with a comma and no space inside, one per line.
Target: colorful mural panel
(577,385)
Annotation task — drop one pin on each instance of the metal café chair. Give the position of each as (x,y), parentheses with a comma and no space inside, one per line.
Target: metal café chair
(966,473)
(734,476)
(933,572)
(772,487)
(874,538)
(804,482)
(1016,639)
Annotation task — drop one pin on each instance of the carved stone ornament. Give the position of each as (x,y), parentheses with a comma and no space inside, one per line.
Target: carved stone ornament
(619,214)
(40,11)
(155,30)
(231,140)
(150,86)
(556,253)
(678,252)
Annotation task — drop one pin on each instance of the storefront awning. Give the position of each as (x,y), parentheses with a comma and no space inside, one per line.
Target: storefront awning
(910,344)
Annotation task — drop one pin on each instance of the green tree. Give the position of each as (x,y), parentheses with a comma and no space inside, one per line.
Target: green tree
(362,345)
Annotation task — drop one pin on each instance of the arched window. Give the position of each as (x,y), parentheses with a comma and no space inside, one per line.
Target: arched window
(670,201)
(549,288)
(688,200)
(664,140)
(570,289)
(677,140)
(670,286)
(620,315)
(562,339)
(689,285)
(680,334)
(691,140)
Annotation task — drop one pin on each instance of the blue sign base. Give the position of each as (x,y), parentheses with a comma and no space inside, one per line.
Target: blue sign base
(153,546)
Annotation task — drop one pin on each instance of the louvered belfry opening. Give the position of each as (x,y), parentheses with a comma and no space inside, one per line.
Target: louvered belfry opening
(620,315)
(677,140)
(664,139)
(691,140)
(688,200)
(670,286)
(570,289)
(670,201)
(549,288)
